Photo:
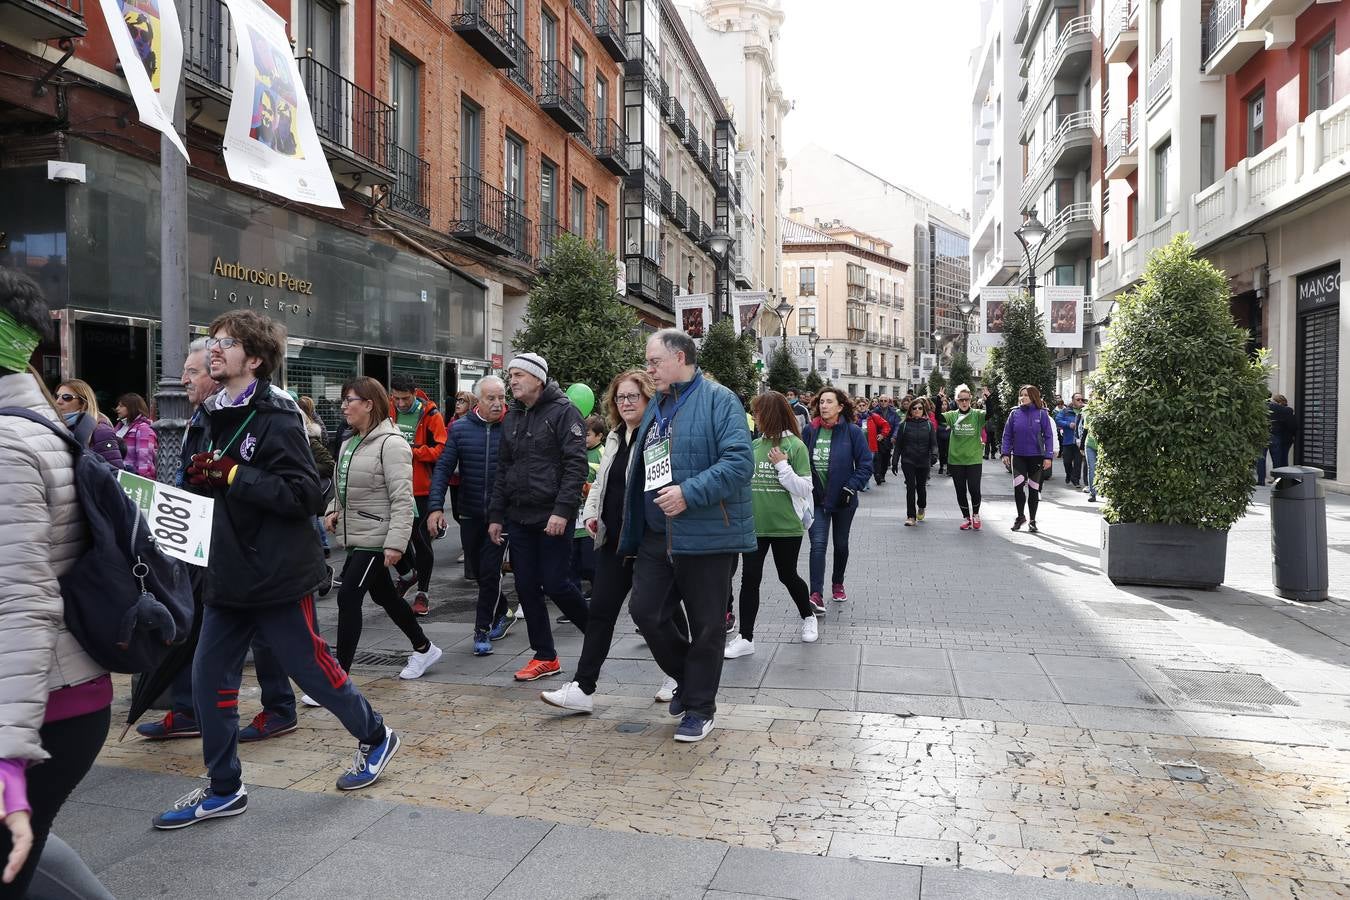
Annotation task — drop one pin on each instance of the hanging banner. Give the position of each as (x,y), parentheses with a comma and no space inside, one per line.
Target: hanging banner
(747,307)
(149,43)
(927,363)
(1063,315)
(993,308)
(798,347)
(693,314)
(270,142)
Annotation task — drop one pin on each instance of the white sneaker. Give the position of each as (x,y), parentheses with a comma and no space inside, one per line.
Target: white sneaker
(571,697)
(739,647)
(667,692)
(309,701)
(418,663)
(460,559)
(809,630)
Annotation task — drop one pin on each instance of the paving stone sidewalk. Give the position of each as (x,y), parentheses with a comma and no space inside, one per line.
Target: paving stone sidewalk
(983,701)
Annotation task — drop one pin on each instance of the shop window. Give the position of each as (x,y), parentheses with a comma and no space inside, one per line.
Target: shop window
(1321,72)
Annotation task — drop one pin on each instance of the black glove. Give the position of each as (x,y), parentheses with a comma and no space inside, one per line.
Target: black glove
(847,494)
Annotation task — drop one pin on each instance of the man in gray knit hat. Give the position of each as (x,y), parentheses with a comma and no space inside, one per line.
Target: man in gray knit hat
(535,495)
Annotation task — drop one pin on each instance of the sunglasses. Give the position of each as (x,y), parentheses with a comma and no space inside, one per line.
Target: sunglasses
(67,398)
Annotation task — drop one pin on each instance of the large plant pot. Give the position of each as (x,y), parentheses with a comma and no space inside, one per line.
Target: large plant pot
(1168,555)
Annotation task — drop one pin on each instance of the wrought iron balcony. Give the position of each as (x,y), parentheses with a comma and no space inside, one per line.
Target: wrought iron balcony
(667,198)
(485,216)
(690,137)
(694,225)
(665,293)
(676,117)
(522,74)
(681,209)
(549,232)
(704,233)
(44,20)
(410,194)
(583,7)
(665,99)
(208,62)
(563,96)
(355,126)
(486,26)
(643,277)
(611,29)
(611,146)
(871,296)
(1222,22)
(1160,76)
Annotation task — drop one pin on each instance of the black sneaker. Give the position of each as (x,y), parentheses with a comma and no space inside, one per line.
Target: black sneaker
(1020,521)
(403,585)
(1031,526)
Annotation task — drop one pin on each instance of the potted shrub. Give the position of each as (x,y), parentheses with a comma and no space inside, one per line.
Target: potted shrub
(1179,412)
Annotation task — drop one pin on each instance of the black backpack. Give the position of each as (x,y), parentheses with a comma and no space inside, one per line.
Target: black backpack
(125,601)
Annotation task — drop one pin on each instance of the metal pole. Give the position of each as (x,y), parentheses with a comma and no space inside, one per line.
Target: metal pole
(171,403)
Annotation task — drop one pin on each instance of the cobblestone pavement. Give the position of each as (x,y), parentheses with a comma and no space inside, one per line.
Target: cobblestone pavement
(986,701)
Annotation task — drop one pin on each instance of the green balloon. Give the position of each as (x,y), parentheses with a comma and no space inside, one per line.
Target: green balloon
(582,397)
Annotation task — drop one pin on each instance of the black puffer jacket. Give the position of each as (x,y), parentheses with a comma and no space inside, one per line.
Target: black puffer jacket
(264,550)
(542,464)
(917,442)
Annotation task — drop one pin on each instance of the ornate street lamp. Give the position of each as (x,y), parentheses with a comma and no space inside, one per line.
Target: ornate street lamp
(1031,235)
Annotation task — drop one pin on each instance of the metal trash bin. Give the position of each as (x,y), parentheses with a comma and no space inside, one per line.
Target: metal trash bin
(1298,533)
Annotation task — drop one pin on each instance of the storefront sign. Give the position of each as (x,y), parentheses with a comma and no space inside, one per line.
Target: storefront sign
(149,44)
(179,521)
(1063,312)
(270,142)
(263,277)
(1319,289)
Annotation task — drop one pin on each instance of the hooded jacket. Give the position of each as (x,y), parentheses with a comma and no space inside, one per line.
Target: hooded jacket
(1019,433)
(376,510)
(427,444)
(542,464)
(264,550)
(471,450)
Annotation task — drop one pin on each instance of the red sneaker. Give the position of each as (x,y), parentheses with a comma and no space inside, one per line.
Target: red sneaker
(421,605)
(839,594)
(966,525)
(538,668)
(818,604)
(975,522)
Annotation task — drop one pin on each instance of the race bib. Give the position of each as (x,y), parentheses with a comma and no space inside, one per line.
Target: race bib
(656,458)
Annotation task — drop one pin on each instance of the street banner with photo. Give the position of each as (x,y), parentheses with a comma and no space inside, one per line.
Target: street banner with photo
(179,521)
(270,142)
(693,314)
(1063,315)
(748,306)
(927,363)
(149,44)
(798,347)
(993,309)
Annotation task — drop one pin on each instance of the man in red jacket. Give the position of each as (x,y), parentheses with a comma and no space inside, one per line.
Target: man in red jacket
(417,417)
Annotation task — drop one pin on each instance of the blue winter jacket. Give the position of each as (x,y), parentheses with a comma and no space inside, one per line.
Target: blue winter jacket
(472,446)
(711,460)
(1019,433)
(850,463)
(1067,420)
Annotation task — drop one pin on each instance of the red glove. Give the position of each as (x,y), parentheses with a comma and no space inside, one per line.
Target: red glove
(206,470)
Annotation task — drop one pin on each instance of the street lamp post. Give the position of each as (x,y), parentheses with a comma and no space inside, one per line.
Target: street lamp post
(967,306)
(811,339)
(829,356)
(1030,236)
(719,243)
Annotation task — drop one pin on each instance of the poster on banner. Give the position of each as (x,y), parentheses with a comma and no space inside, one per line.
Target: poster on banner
(179,521)
(993,311)
(927,363)
(270,142)
(748,306)
(693,313)
(798,347)
(1063,311)
(149,44)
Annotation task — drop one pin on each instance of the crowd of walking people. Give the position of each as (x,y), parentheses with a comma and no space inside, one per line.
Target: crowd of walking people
(656,500)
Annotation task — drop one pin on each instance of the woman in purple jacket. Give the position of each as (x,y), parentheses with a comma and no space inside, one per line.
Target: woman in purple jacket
(1028,450)
(78,406)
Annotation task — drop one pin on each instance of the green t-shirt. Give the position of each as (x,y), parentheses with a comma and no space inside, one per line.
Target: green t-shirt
(820,457)
(407,421)
(1091,441)
(592,469)
(965,448)
(774,515)
(344,464)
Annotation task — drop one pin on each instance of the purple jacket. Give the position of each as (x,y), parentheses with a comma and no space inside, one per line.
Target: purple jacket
(1019,433)
(107,444)
(142,446)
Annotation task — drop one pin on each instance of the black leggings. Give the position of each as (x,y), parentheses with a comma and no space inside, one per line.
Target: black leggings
(365,571)
(1027,471)
(916,488)
(74,744)
(967,478)
(785,553)
(419,554)
(610,587)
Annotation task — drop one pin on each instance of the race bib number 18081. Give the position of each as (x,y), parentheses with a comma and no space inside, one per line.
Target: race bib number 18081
(180,522)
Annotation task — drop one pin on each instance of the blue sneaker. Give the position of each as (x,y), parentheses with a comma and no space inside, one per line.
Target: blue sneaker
(199,805)
(481,645)
(500,629)
(693,728)
(173,725)
(267,725)
(676,706)
(370,762)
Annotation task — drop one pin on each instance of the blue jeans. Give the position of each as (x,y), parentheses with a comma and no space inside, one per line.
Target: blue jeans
(543,566)
(840,521)
(1279,458)
(1091,454)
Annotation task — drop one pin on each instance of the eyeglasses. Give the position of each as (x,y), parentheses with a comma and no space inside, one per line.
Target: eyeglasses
(962,399)
(224,343)
(349,400)
(67,398)
(622,399)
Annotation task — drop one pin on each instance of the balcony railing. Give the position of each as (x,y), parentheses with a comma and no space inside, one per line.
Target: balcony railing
(583,7)
(411,191)
(611,29)
(1222,22)
(1117,21)
(1117,139)
(681,209)
(485,216)
(665,293)
(1160,76)
(348,117)
(1077,34)
(486,26)
(521,74)
(208,56)
(872,296)
(676,118)
(665,99)
(563,96)
(611,146)
(667,198)
(694,225)
(549,232)
(705,232)
(643,276)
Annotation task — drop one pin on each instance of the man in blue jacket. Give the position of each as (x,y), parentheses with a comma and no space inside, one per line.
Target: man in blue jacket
(471,446)
(1068,420)
(687,517)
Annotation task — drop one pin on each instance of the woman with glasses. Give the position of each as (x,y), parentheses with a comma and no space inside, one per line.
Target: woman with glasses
(917,447)
(841,465)
(374,505)
(1028,452)
(78,406)
(625,402)
(965,454)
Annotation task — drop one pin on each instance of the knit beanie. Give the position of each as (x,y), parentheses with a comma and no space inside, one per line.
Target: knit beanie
(532,363)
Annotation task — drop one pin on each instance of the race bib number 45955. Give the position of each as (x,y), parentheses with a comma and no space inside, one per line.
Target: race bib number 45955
(656,460)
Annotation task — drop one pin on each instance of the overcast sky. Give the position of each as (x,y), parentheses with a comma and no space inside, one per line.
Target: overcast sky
(886,84)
